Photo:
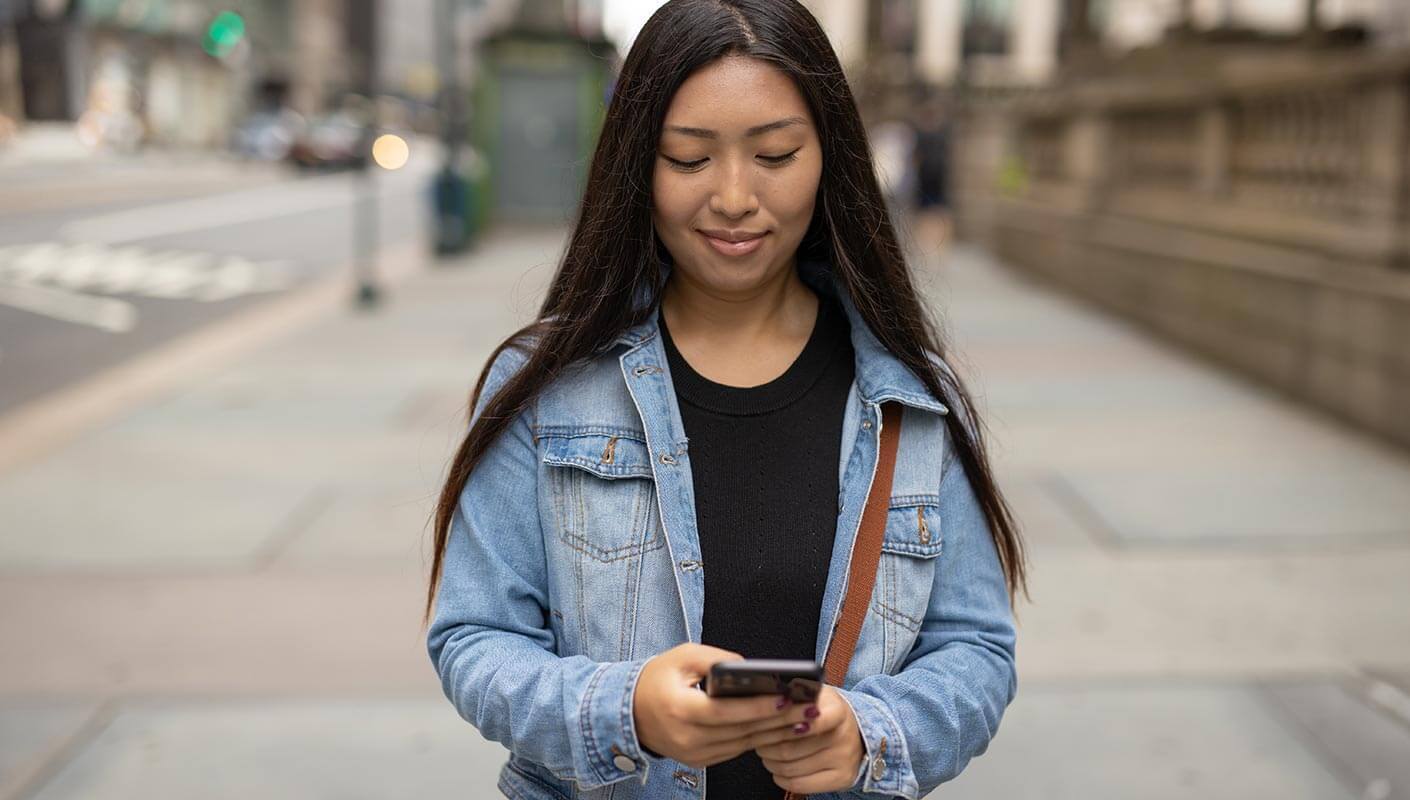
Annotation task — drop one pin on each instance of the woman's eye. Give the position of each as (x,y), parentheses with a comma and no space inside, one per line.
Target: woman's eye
(692,166)
(686,166)
(783,159)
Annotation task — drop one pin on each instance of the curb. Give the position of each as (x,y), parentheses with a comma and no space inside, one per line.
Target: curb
(48,422)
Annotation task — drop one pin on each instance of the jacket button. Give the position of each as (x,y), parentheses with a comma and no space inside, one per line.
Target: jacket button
(878,768)
(624,763)
(866,424)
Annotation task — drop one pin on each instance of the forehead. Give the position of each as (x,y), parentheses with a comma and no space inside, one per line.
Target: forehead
(735,93)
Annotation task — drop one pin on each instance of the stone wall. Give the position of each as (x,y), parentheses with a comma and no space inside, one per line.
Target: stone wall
(1258,217)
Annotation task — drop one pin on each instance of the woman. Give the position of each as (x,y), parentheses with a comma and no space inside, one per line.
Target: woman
(731,284)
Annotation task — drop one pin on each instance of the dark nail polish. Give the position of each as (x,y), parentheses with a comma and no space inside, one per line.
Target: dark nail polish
(801,727)
(783,701)
(811,712)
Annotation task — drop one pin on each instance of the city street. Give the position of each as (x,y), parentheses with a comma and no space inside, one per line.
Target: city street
(216,592)
(100,262)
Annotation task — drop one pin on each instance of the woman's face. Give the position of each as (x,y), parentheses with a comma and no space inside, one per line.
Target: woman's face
(736,175)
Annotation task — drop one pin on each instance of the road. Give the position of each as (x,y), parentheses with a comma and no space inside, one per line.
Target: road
(100,262)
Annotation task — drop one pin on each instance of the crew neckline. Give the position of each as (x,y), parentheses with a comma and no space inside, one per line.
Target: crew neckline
(829,332)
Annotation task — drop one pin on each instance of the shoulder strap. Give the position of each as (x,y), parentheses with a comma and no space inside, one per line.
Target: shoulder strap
(866,552)
(866,555)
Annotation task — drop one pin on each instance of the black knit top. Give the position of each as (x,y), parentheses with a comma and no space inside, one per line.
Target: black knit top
(764,463)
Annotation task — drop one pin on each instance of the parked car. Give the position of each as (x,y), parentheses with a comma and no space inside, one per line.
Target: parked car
(268,135)
(332,141)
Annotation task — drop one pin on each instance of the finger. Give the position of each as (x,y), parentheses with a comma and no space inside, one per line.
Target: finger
(694,662)
(780,726)
(787,746)
(701,709)
(824,717)
(819,761)
(828,780)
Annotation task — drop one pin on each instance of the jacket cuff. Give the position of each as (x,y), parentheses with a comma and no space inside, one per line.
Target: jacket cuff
(607,727)
(886,768)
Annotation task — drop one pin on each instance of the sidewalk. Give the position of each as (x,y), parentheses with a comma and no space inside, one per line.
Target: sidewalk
(218,594)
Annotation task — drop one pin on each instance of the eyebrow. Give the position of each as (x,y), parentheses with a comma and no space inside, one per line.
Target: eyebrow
(706,133)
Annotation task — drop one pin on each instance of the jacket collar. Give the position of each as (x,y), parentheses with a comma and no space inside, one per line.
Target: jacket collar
(879,374)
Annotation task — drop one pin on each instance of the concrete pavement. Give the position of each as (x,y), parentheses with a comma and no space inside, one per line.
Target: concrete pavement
(216,593)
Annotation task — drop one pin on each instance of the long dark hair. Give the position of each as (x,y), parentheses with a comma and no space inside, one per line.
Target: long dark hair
(613,252)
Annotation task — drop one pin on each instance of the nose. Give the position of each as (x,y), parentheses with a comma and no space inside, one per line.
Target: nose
(734,195)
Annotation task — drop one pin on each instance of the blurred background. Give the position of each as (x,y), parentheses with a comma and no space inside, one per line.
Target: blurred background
(253,255)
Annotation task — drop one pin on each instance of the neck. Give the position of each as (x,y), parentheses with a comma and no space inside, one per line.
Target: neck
(780,309)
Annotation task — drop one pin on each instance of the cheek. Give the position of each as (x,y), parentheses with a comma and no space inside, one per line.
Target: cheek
(792,196)
(671,198)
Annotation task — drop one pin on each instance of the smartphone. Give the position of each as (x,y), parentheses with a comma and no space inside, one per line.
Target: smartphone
(799,679)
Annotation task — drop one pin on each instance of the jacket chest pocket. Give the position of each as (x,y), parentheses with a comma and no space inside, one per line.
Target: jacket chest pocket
(910,549)
(603,495)
(601,500)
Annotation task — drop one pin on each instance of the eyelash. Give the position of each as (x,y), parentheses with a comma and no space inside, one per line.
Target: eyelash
(692,166)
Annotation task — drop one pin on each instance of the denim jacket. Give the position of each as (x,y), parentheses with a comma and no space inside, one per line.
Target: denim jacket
(573,558)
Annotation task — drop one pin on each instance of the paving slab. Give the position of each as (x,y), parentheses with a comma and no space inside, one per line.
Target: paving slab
(1366,743)
(1279,503)
(276,749)
(285,630)
(35,733)
(1046,520)
(1214,742)
(110,505)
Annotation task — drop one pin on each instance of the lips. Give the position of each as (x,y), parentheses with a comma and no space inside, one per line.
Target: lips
(733,243)
(732,236)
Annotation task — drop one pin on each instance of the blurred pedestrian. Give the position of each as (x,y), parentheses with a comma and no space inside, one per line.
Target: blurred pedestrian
(932,165)
(651,483)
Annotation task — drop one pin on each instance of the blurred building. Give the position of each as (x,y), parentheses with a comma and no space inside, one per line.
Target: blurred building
(184,72)
(540,88)
(1238,181)
(143,71)
(1021,42)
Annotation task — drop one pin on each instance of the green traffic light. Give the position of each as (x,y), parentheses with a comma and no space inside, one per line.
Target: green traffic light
(224,33)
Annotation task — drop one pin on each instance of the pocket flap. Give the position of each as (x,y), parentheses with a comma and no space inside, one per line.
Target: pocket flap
(913,526)
(605,455)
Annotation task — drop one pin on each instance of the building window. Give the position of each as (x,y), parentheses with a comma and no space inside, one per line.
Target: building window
(986,27)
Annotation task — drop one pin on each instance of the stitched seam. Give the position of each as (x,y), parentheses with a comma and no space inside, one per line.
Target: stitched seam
(897,615)
(626,702)
(909,500)
(584,545)
(594,757)
(510,790)
(913,550)
(516,774)
(577,431)
(609,470)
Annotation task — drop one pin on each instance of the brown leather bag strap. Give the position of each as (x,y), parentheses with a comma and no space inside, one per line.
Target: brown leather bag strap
(866,555)
(866,552)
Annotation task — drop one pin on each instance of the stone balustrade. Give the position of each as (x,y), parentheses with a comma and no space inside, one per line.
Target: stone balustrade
(1259,215)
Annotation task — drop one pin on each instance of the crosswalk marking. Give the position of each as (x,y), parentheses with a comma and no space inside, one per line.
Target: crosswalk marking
(60,279)
(107,313)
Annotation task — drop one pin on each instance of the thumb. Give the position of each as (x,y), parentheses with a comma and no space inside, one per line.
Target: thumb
(696,659)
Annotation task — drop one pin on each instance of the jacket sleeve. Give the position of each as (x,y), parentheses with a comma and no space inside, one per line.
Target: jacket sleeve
(488,637)
(922,725)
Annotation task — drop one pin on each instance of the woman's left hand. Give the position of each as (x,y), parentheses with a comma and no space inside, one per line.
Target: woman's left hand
(824,758)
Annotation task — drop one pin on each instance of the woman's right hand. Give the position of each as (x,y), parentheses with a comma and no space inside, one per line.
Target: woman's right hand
(681,722)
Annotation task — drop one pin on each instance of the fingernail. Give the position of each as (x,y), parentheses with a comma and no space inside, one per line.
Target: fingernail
(783,701)
(811,712)
(801,727)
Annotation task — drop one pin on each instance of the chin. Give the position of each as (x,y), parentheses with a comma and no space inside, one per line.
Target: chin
(726,273)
